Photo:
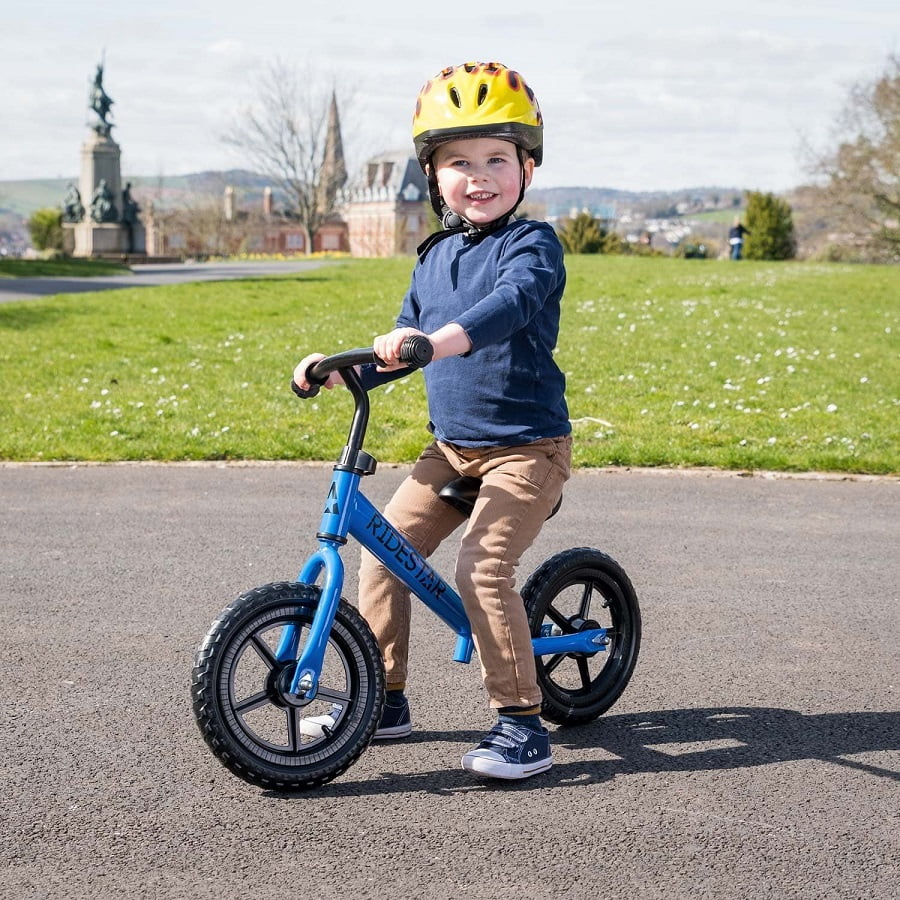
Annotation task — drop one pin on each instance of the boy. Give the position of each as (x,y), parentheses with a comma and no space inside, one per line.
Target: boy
(486,291)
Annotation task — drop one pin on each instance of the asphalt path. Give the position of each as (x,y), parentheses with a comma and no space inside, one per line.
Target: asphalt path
(755,754)
(148,275)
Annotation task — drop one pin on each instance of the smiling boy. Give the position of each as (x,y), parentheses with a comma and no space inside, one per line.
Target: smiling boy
(486,291)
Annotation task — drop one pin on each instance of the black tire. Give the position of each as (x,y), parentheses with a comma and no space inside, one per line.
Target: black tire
(575,590)
(244,710)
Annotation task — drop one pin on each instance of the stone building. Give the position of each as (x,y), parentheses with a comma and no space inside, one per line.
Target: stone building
(383,211)
(386,207)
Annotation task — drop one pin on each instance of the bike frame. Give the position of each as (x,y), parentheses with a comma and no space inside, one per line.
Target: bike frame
(348,512)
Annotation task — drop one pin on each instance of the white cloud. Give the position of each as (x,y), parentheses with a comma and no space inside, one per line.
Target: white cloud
(226,47)
(640,96)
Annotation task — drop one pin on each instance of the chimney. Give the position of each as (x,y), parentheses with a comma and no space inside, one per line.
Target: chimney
(229,203)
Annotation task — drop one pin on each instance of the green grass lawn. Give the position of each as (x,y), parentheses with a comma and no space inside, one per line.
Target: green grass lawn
(779,366)
(726,216)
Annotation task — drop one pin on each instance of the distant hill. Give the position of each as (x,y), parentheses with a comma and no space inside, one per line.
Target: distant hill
(19,199)
(653,204)
(24,197)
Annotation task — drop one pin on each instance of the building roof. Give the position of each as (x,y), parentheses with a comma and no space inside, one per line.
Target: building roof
(389,176)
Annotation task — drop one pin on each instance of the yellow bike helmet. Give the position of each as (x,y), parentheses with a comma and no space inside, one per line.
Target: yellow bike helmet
(477,99)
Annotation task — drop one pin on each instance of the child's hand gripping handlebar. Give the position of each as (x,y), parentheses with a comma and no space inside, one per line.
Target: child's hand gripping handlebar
(416,351)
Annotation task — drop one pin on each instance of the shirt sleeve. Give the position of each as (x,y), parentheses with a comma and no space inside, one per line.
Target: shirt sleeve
(408,317)
(372,378)
(528,272)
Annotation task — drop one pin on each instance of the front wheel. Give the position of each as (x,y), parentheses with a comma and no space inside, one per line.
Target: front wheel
(576,590)
(241,683)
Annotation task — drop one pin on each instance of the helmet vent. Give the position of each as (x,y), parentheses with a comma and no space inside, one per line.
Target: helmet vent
(454,96)
(482,93)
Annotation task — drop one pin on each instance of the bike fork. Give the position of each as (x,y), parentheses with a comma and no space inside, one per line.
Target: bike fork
(327,560)
(306,677)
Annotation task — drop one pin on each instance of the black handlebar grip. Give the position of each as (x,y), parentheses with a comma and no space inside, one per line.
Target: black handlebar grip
(314,384)
(306,395)
(416,351)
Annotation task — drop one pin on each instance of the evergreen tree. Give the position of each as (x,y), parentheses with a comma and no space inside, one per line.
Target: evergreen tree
(45,228)
(771,228)
(581,234)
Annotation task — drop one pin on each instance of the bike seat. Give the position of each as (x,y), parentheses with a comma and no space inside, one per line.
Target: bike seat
(462,492)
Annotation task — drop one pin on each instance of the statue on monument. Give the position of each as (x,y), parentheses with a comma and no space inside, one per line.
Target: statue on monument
(103,209)
(130,210)
(73,208)
(100,218)
(101,104)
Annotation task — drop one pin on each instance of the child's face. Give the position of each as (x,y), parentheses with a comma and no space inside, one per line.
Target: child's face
(480,178)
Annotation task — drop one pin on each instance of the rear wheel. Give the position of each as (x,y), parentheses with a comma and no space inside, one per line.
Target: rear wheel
(241,690)
(577,590)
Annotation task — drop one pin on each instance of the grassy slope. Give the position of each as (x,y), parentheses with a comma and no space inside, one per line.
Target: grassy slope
(670,362)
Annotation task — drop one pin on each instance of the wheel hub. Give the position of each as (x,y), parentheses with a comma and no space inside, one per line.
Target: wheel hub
(577,624)
(278,686)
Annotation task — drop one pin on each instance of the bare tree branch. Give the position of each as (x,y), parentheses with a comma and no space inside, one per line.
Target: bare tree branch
(283,135)
(860,180)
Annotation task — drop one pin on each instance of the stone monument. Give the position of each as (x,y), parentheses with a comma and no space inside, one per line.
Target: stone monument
(99,217)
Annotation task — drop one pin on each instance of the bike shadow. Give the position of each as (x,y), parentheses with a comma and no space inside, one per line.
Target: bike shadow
(677,740)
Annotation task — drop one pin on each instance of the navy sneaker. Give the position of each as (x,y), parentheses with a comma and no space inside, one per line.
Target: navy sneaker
(395,722)
(510,751)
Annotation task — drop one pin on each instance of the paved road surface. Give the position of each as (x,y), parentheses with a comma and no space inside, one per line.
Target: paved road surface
(148,275)
(756,752)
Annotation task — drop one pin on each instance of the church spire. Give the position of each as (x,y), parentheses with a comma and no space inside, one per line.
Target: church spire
(334,171)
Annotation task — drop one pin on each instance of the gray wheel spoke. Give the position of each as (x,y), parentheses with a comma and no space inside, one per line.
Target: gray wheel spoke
(586,596)
(584,672)
(254,701)
(553,662)
(324,693)
(558,619)
(293,728)
(264,651)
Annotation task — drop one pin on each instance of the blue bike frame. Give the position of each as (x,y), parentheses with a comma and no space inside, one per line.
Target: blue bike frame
(348,512)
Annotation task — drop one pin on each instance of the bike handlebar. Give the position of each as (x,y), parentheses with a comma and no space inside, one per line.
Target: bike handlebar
(416,351)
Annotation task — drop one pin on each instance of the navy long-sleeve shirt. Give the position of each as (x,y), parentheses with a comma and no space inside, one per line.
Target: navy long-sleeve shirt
(505,291)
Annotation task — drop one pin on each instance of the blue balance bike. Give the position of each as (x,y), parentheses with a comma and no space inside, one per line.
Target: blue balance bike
(288,652)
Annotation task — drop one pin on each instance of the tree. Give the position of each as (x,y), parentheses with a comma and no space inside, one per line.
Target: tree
(583,234)
(771,228)
(45,227)
(292,134)
(204,230)
(860,189)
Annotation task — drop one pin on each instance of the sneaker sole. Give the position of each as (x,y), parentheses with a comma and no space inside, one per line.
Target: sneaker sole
(494,768)
(391,734)
(312,727)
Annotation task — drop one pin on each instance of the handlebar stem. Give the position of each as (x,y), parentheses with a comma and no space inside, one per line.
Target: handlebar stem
(353,456)
(416,351)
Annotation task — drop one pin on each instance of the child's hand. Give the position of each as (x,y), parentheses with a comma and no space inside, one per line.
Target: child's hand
(303,382)
(387,348)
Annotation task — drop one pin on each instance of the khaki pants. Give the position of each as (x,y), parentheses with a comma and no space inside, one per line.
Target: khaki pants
(520,486)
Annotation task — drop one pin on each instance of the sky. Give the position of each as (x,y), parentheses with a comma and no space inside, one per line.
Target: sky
(637,96)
